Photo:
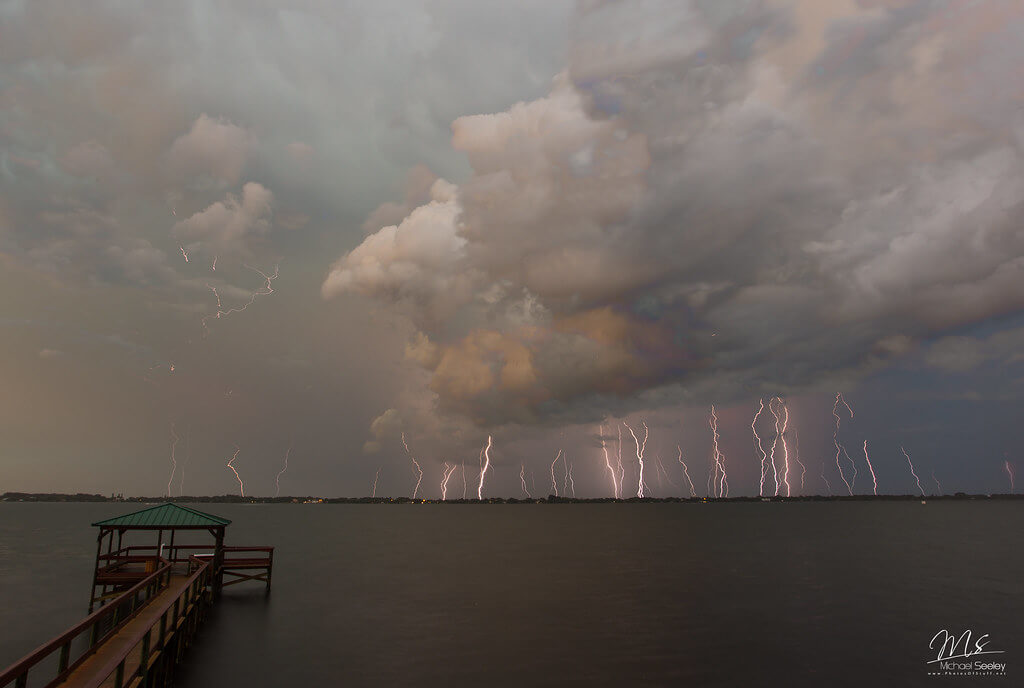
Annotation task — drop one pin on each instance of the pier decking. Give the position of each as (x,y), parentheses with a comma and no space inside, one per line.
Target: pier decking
(150,606)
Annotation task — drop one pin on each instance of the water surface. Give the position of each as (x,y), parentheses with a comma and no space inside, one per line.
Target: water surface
(586,594)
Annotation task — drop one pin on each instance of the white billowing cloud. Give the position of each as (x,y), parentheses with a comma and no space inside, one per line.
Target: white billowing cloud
(387,425)
(213,153)
(760,195)
(415,261)
(233,224)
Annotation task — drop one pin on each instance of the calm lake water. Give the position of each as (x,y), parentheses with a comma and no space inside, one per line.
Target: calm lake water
(833,594)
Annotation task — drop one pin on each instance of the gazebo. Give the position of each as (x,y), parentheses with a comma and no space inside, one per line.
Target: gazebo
(123,567)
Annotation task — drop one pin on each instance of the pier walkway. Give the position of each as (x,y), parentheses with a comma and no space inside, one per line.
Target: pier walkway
(149,606)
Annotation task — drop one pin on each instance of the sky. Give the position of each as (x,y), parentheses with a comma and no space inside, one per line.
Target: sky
(298,237)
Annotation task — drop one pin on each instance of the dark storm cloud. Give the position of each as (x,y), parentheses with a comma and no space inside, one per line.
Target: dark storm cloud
(719,199)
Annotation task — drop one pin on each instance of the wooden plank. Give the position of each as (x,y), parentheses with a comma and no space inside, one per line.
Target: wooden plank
(122,641)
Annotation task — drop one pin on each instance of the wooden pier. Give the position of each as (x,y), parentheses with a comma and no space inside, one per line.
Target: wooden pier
(151,600)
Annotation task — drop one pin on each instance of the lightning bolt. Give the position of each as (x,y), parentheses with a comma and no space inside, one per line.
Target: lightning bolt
(214,266)
(463,478)
(828,485)
(938,487)
(565,474)
(912,471)
(1009,471)
(375,478)
(784,407)
(622,469)
(773,407)
(277,478)
(640,448)
(796,455)
(572,483)
(184,253)
(760,447)
(446,474)
(241,486)
(522,479)
(839,446)
(174,463)
(554,483)
(487,465)
(686,471)
(416,467)
(608,463)
(721,481)
(265,290)
(875,480)
(188,456)
(661,466)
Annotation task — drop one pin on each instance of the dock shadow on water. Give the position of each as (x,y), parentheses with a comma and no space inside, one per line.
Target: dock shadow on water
(586,594)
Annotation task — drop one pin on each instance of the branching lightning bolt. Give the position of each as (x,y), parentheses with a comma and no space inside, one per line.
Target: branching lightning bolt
(721,481)
(1010,472)
(522,479)
(241,485)
(760,447)
(446,474)
(265,290)
(417,471)
(838,444)
(640,448)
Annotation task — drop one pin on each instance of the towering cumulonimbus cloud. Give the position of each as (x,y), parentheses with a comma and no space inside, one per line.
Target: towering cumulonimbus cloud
(719,196)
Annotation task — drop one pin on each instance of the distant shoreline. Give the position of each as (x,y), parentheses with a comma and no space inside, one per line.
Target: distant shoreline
(551,499)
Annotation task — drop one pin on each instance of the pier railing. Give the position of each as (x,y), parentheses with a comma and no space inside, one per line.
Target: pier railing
(94,629)
(148,649)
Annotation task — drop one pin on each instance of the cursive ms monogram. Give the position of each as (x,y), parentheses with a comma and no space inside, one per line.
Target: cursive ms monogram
(955,655)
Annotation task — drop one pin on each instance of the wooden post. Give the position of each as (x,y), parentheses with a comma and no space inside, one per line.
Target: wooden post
(218,562)
(96,570)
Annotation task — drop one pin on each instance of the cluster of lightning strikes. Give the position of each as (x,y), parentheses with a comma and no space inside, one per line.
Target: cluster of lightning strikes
(616,490)
(417,471)
(277,478)
(640,448)
(522,479)
(266,289)
(720,481)
(839,446)
(686,471)
(241,485)
(913,472)
(375,479)
(779,409)
(1009,471)
(446,474)
(174,463)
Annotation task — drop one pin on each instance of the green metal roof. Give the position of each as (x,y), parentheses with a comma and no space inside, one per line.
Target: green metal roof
(165,516)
